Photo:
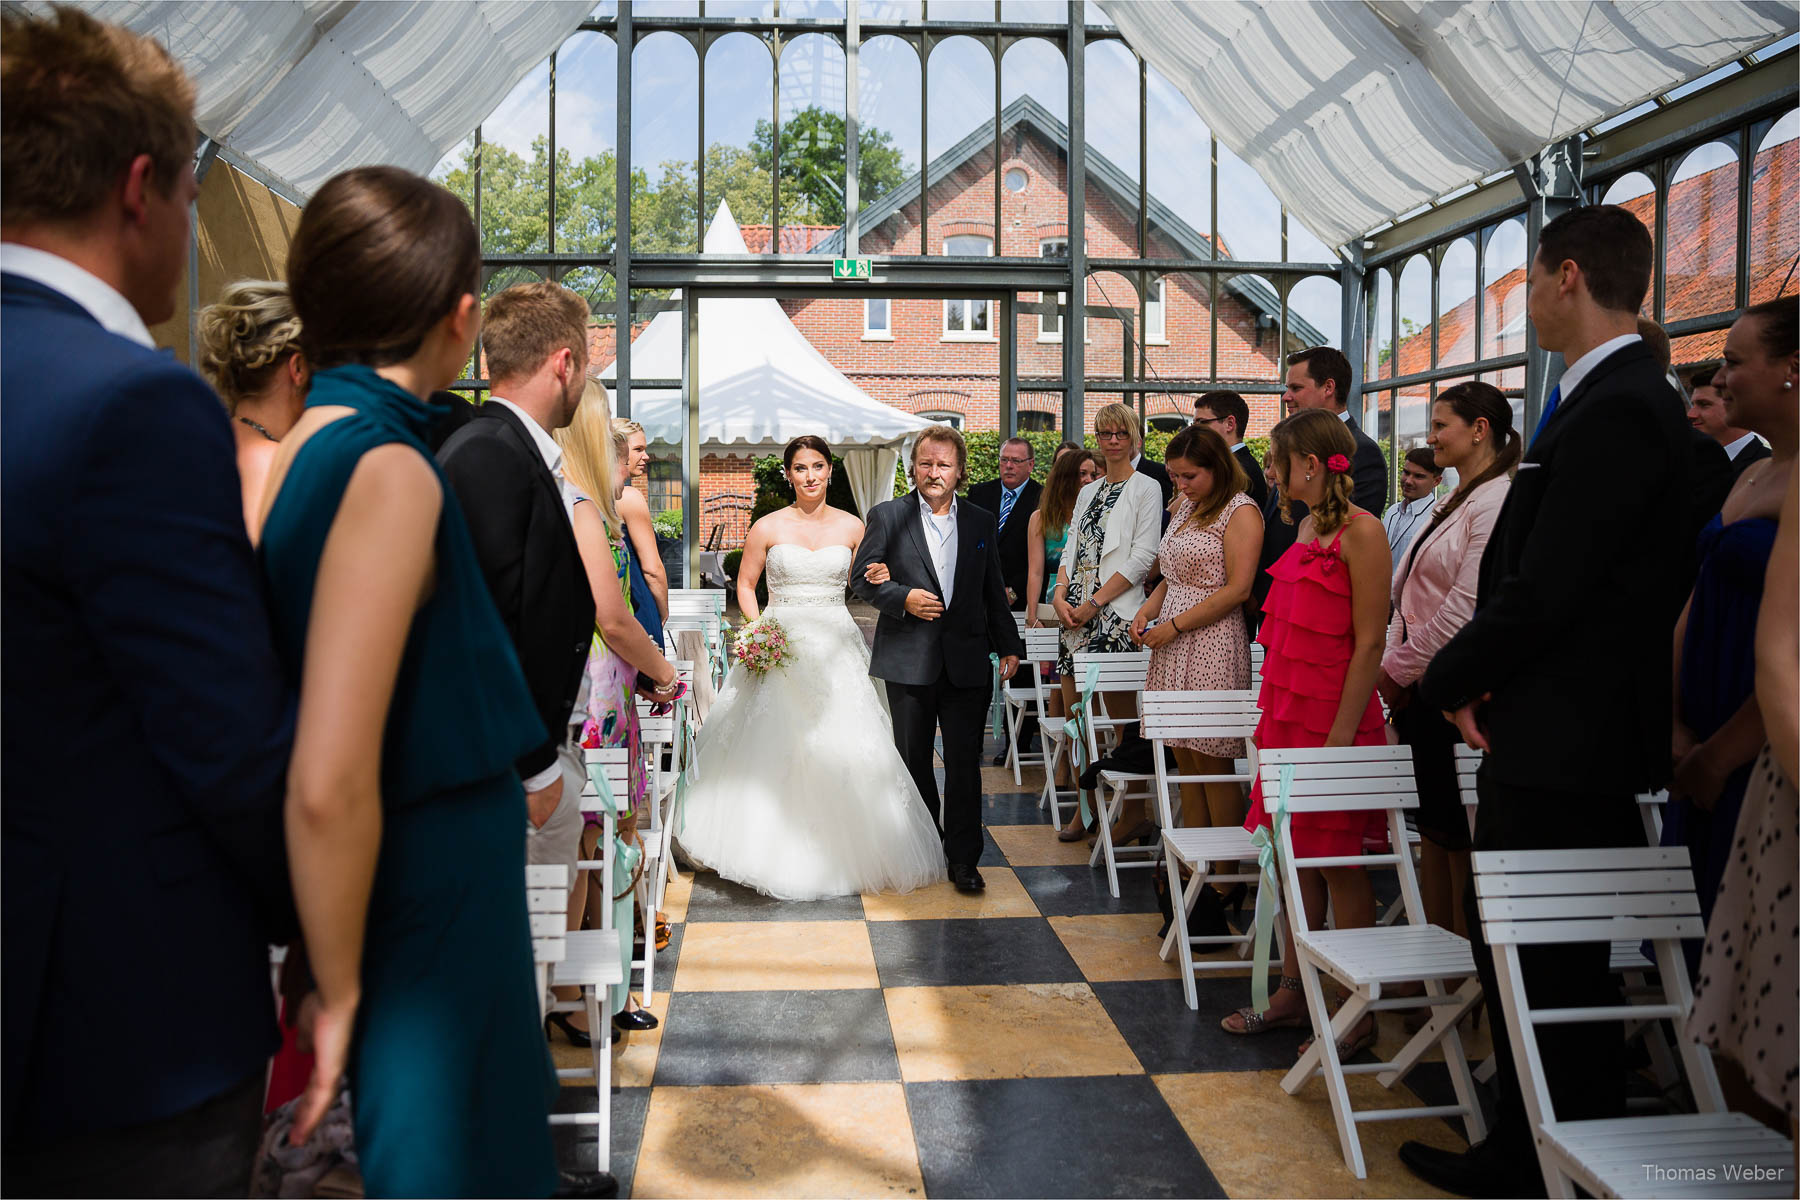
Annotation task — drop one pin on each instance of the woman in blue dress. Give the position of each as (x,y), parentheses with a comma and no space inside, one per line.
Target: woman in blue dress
(405,817)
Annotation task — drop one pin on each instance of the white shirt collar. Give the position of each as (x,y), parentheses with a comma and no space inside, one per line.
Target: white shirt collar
(546,445)
(1733,449)
(1578,370)
(99,298)
(1344,416)
(1422,504)
(925,507)
(1236,446)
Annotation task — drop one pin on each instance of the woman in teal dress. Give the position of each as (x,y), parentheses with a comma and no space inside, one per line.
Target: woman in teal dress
(405,815)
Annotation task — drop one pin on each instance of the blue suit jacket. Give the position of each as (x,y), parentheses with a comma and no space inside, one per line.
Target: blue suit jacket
(144,734)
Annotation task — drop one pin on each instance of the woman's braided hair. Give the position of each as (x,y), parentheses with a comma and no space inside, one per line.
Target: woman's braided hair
(247,337)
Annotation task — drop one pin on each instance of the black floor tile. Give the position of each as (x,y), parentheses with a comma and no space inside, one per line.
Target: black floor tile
(1107,1136)
(1074,891)
(716,899)
(951,953)
(667,960)
(576,1145)
(990,851)
(732,1038)
(1013,808)
(1167,1036)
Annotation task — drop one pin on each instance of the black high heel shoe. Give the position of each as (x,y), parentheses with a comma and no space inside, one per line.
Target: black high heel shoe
(577,1037)
(633,1020)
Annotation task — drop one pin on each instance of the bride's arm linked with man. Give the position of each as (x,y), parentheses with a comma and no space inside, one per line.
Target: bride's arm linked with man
(929,563)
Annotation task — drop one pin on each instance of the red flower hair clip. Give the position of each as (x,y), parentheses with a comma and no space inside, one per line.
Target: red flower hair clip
(1338,464)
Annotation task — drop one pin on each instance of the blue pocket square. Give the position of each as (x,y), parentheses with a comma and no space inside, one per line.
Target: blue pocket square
(981,545)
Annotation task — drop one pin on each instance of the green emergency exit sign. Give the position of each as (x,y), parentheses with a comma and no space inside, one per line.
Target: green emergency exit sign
(853,268)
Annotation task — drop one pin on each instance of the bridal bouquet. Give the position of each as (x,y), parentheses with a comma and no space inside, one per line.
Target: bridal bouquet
(761,646)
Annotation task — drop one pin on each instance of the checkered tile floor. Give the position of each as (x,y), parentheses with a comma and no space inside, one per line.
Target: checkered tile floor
(1026,1042)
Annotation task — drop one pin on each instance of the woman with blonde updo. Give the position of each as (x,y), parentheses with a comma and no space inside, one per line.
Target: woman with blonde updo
(1323,631)
(250,353)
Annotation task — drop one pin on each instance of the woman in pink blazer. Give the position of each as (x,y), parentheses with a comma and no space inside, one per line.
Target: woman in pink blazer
(1434,596)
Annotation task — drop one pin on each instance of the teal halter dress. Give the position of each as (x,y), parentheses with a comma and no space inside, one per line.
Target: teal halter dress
(450,1075)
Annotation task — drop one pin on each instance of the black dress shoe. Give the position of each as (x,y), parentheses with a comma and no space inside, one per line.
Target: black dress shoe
(1477,1171)
(577,1037)
(634,1020)
(1000,759)
(585,1183)
(967,878)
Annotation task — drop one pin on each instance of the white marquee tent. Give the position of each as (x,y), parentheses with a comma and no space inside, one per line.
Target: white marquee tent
(762,384)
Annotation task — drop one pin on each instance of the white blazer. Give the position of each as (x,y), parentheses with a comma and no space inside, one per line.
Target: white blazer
(1133,533)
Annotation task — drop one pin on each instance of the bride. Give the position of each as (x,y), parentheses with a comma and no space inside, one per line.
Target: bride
(801,793)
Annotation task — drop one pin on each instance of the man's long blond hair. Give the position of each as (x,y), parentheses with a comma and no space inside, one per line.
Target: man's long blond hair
(592,454)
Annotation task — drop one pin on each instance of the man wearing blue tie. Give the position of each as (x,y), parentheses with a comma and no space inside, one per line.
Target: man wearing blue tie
(1012,499)
(1562,675)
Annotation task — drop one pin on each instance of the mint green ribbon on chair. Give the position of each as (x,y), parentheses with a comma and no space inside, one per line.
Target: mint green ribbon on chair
(1267,841)
(997,703)
(689,772)
(1076,729)
(626,858)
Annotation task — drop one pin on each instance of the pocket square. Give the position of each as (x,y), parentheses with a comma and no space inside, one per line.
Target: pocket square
(981,545)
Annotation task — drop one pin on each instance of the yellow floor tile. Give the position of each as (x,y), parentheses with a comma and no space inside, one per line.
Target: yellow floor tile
(998,781)
(821,1139)
(1109,947)
(1005,897)
(634,1056)
(1280,1145)
(1025,1031)
(675,897)
(757,956)
(1036,846)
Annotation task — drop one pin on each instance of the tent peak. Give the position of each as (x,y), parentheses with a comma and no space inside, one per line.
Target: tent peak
(723,236)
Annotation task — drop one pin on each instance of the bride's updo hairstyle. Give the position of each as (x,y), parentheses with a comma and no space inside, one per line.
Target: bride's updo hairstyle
(380,257)
(1318,433)
(247,338)
(806,441)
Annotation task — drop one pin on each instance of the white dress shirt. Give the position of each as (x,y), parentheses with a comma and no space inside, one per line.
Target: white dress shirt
(1733,449)
(1575,372)
(103,303)
(571,496)
(940,538)
(1404,520)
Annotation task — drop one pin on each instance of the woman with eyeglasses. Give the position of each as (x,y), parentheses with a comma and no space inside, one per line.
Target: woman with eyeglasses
(1115,530)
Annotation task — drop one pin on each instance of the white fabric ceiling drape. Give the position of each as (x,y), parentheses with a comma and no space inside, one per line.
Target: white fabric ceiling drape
(1354,112)
(305,90)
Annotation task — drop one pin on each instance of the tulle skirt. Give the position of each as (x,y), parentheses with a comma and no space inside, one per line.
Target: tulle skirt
(801,793)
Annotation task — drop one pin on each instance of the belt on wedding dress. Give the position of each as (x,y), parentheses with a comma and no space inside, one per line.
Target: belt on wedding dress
(829,599)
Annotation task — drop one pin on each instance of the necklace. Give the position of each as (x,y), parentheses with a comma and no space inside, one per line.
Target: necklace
(259,429)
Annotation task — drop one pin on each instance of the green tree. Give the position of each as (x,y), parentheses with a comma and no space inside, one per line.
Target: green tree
(812,164)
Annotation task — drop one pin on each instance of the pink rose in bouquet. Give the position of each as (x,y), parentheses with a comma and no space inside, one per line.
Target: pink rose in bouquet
(761,646)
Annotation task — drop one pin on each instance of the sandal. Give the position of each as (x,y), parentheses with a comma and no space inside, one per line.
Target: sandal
(1255,1023)
(1351,1046)
(664,932)
(1074,833)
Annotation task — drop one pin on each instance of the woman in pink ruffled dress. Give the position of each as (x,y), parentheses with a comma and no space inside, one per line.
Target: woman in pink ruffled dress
(1324,627)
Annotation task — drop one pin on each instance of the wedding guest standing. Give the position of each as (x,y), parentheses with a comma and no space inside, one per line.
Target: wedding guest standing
(649,578)
(405,815)
(1012,498)
(1420,475)
(1073,469)
(1718,727)
(1116,526)
(506,470)
(1580,584)
(1227,414)
(1708,412)
(1434,595)
(250,353)
(1193,623)
(596,461)
(1321,634)
(144,723)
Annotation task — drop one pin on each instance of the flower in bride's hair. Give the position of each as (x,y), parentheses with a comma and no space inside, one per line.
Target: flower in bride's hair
(1338,464)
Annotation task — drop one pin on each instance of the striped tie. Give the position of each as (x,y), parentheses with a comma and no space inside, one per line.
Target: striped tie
(1006,505)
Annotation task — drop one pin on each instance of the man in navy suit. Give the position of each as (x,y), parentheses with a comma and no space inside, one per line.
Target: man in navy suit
(145,720)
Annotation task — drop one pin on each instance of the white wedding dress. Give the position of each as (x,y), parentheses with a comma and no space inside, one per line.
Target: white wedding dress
(801,793)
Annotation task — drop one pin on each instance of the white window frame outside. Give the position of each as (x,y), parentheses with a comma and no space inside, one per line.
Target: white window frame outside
(945,417)
(1156,312)
(967,333)
(1045,333)
(872,334)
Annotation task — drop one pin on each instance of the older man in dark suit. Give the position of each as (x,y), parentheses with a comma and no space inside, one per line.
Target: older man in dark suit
(1012,498)
(1562,675)
(146,718)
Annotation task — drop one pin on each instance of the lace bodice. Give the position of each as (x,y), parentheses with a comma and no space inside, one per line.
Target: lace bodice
(802,578)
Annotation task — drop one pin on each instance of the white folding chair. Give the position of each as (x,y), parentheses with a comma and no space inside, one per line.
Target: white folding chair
(1369,779)
(1024,696)
(592,958)
(1256,667)
(547,900)
(1190,715)
(1561,897)
(693,601)
(1095,676)
(711,627)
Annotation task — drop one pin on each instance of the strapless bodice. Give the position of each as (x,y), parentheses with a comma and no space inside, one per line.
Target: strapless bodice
(799,577)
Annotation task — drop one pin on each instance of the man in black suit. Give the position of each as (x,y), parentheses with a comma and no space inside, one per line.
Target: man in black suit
(1319,377)
(146,717)
(943,611)
(1562,675)
(506,471)
(1709,411)
(1226,414)
(1155,470)
(1012,499)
